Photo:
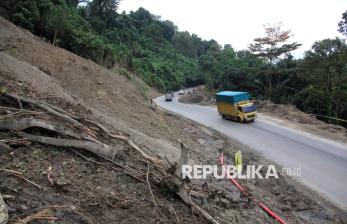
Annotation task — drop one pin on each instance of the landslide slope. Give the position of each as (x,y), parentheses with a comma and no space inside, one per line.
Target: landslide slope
(88,189)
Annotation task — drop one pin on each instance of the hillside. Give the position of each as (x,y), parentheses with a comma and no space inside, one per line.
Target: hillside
(68,185)
(169,59)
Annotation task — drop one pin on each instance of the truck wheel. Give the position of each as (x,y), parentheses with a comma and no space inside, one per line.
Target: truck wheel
(238,119)
(224,117)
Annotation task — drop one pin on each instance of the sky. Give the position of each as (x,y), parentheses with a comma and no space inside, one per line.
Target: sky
(238,22)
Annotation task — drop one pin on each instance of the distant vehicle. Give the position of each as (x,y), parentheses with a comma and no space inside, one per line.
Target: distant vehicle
(181,92)
(168,96)
(236,106)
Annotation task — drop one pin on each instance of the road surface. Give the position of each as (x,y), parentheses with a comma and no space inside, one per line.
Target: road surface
(323,162)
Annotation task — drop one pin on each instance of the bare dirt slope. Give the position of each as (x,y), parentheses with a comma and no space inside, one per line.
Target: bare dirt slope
(291,116)
(199,95)
(88,189)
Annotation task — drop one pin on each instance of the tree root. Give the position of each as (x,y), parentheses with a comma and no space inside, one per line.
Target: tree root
(125,139)
(24,123)
(93,145)
(183,191)
(44,107)
(97,148)
(65,116)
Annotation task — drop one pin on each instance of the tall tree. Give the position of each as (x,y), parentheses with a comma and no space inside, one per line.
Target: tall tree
(343,24)
(326,68)
(271,47)
(105,10)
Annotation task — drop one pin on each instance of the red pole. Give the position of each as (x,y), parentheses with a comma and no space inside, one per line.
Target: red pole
(261,205)
(271,213)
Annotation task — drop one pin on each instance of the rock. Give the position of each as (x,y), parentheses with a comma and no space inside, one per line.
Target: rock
(125,205)
(201,141)
(24,207)
(3,211)
(101,93)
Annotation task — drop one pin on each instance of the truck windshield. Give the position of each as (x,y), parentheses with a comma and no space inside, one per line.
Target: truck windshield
(248,109)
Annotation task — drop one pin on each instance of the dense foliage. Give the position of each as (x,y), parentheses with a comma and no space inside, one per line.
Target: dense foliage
(168,59)
(343,24)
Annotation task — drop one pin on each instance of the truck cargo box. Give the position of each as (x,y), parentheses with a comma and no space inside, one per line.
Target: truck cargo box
(231,97)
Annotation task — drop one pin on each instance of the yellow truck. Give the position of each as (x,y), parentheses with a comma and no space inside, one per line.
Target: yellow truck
(236,106)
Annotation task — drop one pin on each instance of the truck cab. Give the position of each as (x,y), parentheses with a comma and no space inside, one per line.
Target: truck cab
(169,96)
(236,106)
(246,111)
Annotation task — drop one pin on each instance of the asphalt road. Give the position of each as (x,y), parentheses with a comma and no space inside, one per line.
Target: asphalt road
(323,162)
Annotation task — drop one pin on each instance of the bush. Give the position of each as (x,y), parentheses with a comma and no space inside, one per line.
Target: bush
(314,101)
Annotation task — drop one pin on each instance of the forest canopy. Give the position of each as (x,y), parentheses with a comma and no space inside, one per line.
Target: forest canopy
(169,59)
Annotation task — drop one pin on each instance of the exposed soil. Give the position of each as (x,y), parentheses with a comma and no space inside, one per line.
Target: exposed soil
(98,190)
(290,116)
(198,95)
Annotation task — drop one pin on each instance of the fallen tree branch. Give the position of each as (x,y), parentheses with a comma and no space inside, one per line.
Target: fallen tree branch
(38,215)
(125,139)
(45,214)
(19,103)
(20,113)
(56,112)
(16,109)
(13,172)
(38,209)
(62,114)
(24,123)
(183,191)
(61,111)
(143,154)
(151,192)
(21,176)
(183,160)
(149,187)
(44,107)
(97,148)
(102,164)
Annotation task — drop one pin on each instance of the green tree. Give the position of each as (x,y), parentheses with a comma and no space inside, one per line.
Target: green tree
(271,47)
(343,24)
(103,13)
(186,44)
(58,22)
(325,67)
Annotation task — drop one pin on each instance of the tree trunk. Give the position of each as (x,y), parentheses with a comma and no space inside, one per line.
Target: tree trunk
(55,37)
(269,80)
(102,56)
(270,86)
